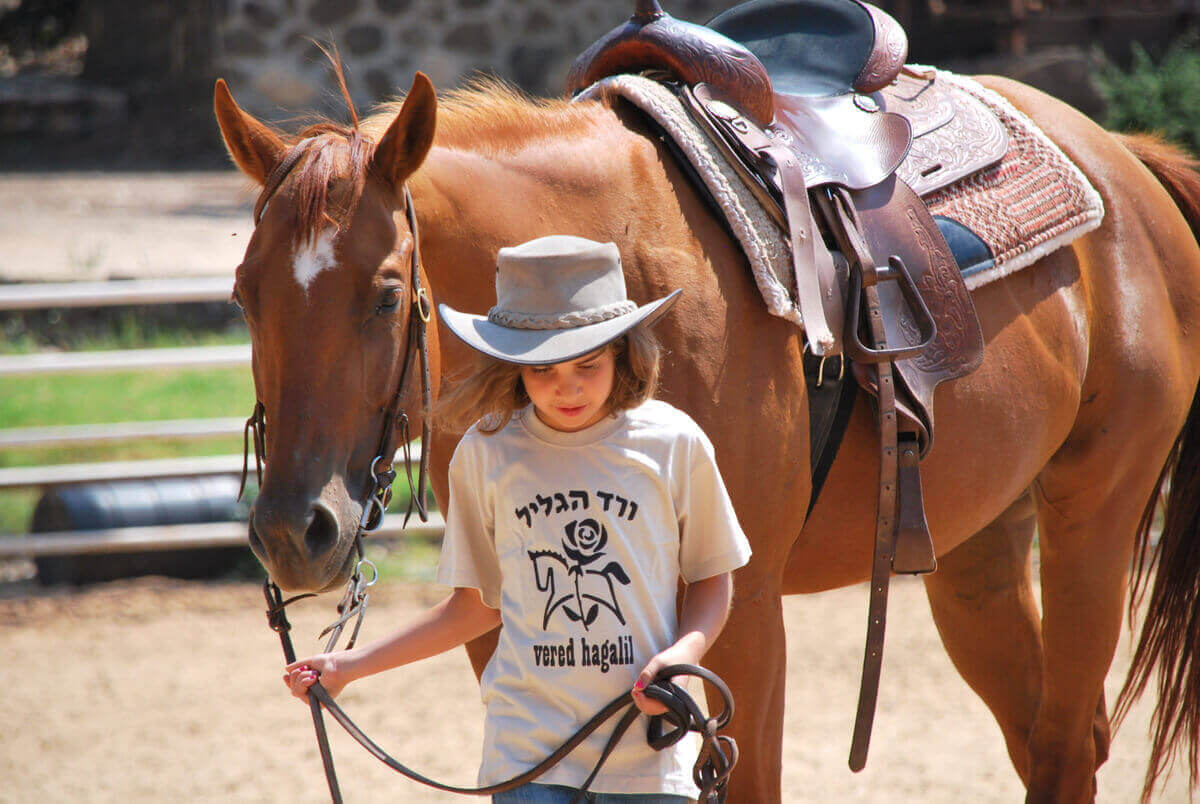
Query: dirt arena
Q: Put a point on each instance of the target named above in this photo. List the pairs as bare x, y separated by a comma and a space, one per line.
157, 690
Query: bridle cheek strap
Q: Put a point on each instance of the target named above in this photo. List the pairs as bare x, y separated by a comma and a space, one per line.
395, 425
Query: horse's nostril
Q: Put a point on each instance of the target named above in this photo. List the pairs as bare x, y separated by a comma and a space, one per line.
256, 544
322, 532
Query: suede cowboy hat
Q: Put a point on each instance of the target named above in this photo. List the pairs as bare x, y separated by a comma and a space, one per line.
557, 298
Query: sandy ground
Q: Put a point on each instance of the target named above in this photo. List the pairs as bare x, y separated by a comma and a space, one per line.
64, 226
158, 690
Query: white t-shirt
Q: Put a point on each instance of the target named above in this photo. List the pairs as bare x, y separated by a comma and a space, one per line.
580, 539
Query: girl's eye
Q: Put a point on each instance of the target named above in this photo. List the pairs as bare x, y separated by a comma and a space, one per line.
389, 301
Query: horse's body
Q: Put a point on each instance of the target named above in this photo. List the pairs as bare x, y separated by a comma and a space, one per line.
1091, 365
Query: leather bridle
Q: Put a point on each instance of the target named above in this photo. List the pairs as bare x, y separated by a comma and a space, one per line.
718, 753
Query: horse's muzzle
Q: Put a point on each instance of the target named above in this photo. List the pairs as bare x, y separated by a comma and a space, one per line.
303, 548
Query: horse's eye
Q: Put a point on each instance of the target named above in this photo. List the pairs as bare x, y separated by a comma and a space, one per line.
388, 301
237, 302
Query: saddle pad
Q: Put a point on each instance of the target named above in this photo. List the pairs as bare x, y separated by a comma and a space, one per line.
763, 242
1029, 204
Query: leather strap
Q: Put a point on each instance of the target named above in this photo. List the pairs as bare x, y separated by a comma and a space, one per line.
713, 766
818, 291
839, 213
277, 619
913, 552
881, 560
276, 177
832, 391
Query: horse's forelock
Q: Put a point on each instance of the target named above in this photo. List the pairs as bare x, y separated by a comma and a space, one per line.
320, 167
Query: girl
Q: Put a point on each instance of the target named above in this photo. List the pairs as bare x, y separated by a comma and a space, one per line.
576, 505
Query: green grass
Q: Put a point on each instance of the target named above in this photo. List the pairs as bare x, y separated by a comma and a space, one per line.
54, 400
48, 400
413, 560
45, 400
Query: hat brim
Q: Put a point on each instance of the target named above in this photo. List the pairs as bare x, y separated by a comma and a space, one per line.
540, 347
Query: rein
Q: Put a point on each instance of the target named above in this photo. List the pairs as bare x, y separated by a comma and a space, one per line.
395, 427
718, 752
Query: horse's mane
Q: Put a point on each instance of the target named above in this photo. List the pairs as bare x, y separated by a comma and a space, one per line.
487, 115
490, 115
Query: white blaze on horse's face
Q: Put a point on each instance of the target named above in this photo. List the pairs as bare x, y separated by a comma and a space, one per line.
313, 256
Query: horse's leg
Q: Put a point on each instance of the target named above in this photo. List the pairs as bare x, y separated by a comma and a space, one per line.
983, 604
1090, 502
751, 657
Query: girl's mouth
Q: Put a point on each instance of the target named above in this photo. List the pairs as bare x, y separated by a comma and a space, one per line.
575, 411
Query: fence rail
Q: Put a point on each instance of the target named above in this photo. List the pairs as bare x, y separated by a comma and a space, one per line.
130, 292
176, 537
117, 292
186, 357
72, 435
71, 474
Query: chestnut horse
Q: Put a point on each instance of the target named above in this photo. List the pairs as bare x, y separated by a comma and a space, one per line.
1071, 424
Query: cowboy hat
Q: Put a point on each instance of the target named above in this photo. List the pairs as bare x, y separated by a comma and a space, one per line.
557, 298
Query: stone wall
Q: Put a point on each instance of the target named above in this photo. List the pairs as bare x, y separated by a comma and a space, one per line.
263, 47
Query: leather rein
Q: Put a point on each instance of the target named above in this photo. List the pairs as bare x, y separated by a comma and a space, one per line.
718, 753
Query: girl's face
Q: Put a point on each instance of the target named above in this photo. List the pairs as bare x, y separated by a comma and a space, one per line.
572, 395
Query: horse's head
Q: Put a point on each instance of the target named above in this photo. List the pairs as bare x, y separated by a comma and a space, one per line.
327, 288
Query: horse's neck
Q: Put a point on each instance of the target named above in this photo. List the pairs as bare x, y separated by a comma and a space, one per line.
471, 202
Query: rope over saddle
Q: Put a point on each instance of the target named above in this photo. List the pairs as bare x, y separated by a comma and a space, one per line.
812, 104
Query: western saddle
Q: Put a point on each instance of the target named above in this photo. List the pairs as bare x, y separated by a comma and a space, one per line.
812, 103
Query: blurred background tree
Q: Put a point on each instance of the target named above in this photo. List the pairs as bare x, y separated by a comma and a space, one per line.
32, 29
1162, 97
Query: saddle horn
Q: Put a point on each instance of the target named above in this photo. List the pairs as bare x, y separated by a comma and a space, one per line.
647, 9
654, 40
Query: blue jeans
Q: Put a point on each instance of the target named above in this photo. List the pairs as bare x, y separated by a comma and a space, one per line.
557, 794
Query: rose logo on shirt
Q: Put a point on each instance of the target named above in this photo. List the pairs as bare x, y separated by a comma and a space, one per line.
591, 588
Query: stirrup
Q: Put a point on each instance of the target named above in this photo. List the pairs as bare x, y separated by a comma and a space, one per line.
897, 272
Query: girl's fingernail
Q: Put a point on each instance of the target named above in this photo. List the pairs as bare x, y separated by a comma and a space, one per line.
640, 685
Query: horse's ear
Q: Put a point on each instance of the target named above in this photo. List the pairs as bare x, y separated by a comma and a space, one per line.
410, 136
255, 148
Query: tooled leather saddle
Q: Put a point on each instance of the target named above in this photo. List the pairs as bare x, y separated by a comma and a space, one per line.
811, 101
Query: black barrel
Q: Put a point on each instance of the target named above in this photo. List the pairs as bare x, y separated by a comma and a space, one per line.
136, 503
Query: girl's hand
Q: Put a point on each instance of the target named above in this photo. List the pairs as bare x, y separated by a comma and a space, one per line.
331, 669
679, 653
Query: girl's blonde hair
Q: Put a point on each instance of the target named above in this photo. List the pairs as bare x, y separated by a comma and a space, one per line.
492, 390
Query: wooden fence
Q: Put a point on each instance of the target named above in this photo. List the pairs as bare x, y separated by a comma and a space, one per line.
13, 367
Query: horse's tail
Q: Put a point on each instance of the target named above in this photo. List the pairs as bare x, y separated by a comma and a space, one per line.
1169, 645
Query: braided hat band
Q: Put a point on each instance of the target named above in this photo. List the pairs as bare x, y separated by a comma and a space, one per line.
508, 318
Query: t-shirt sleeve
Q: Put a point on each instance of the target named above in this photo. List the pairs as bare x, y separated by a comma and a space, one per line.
469, 544
710, 539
